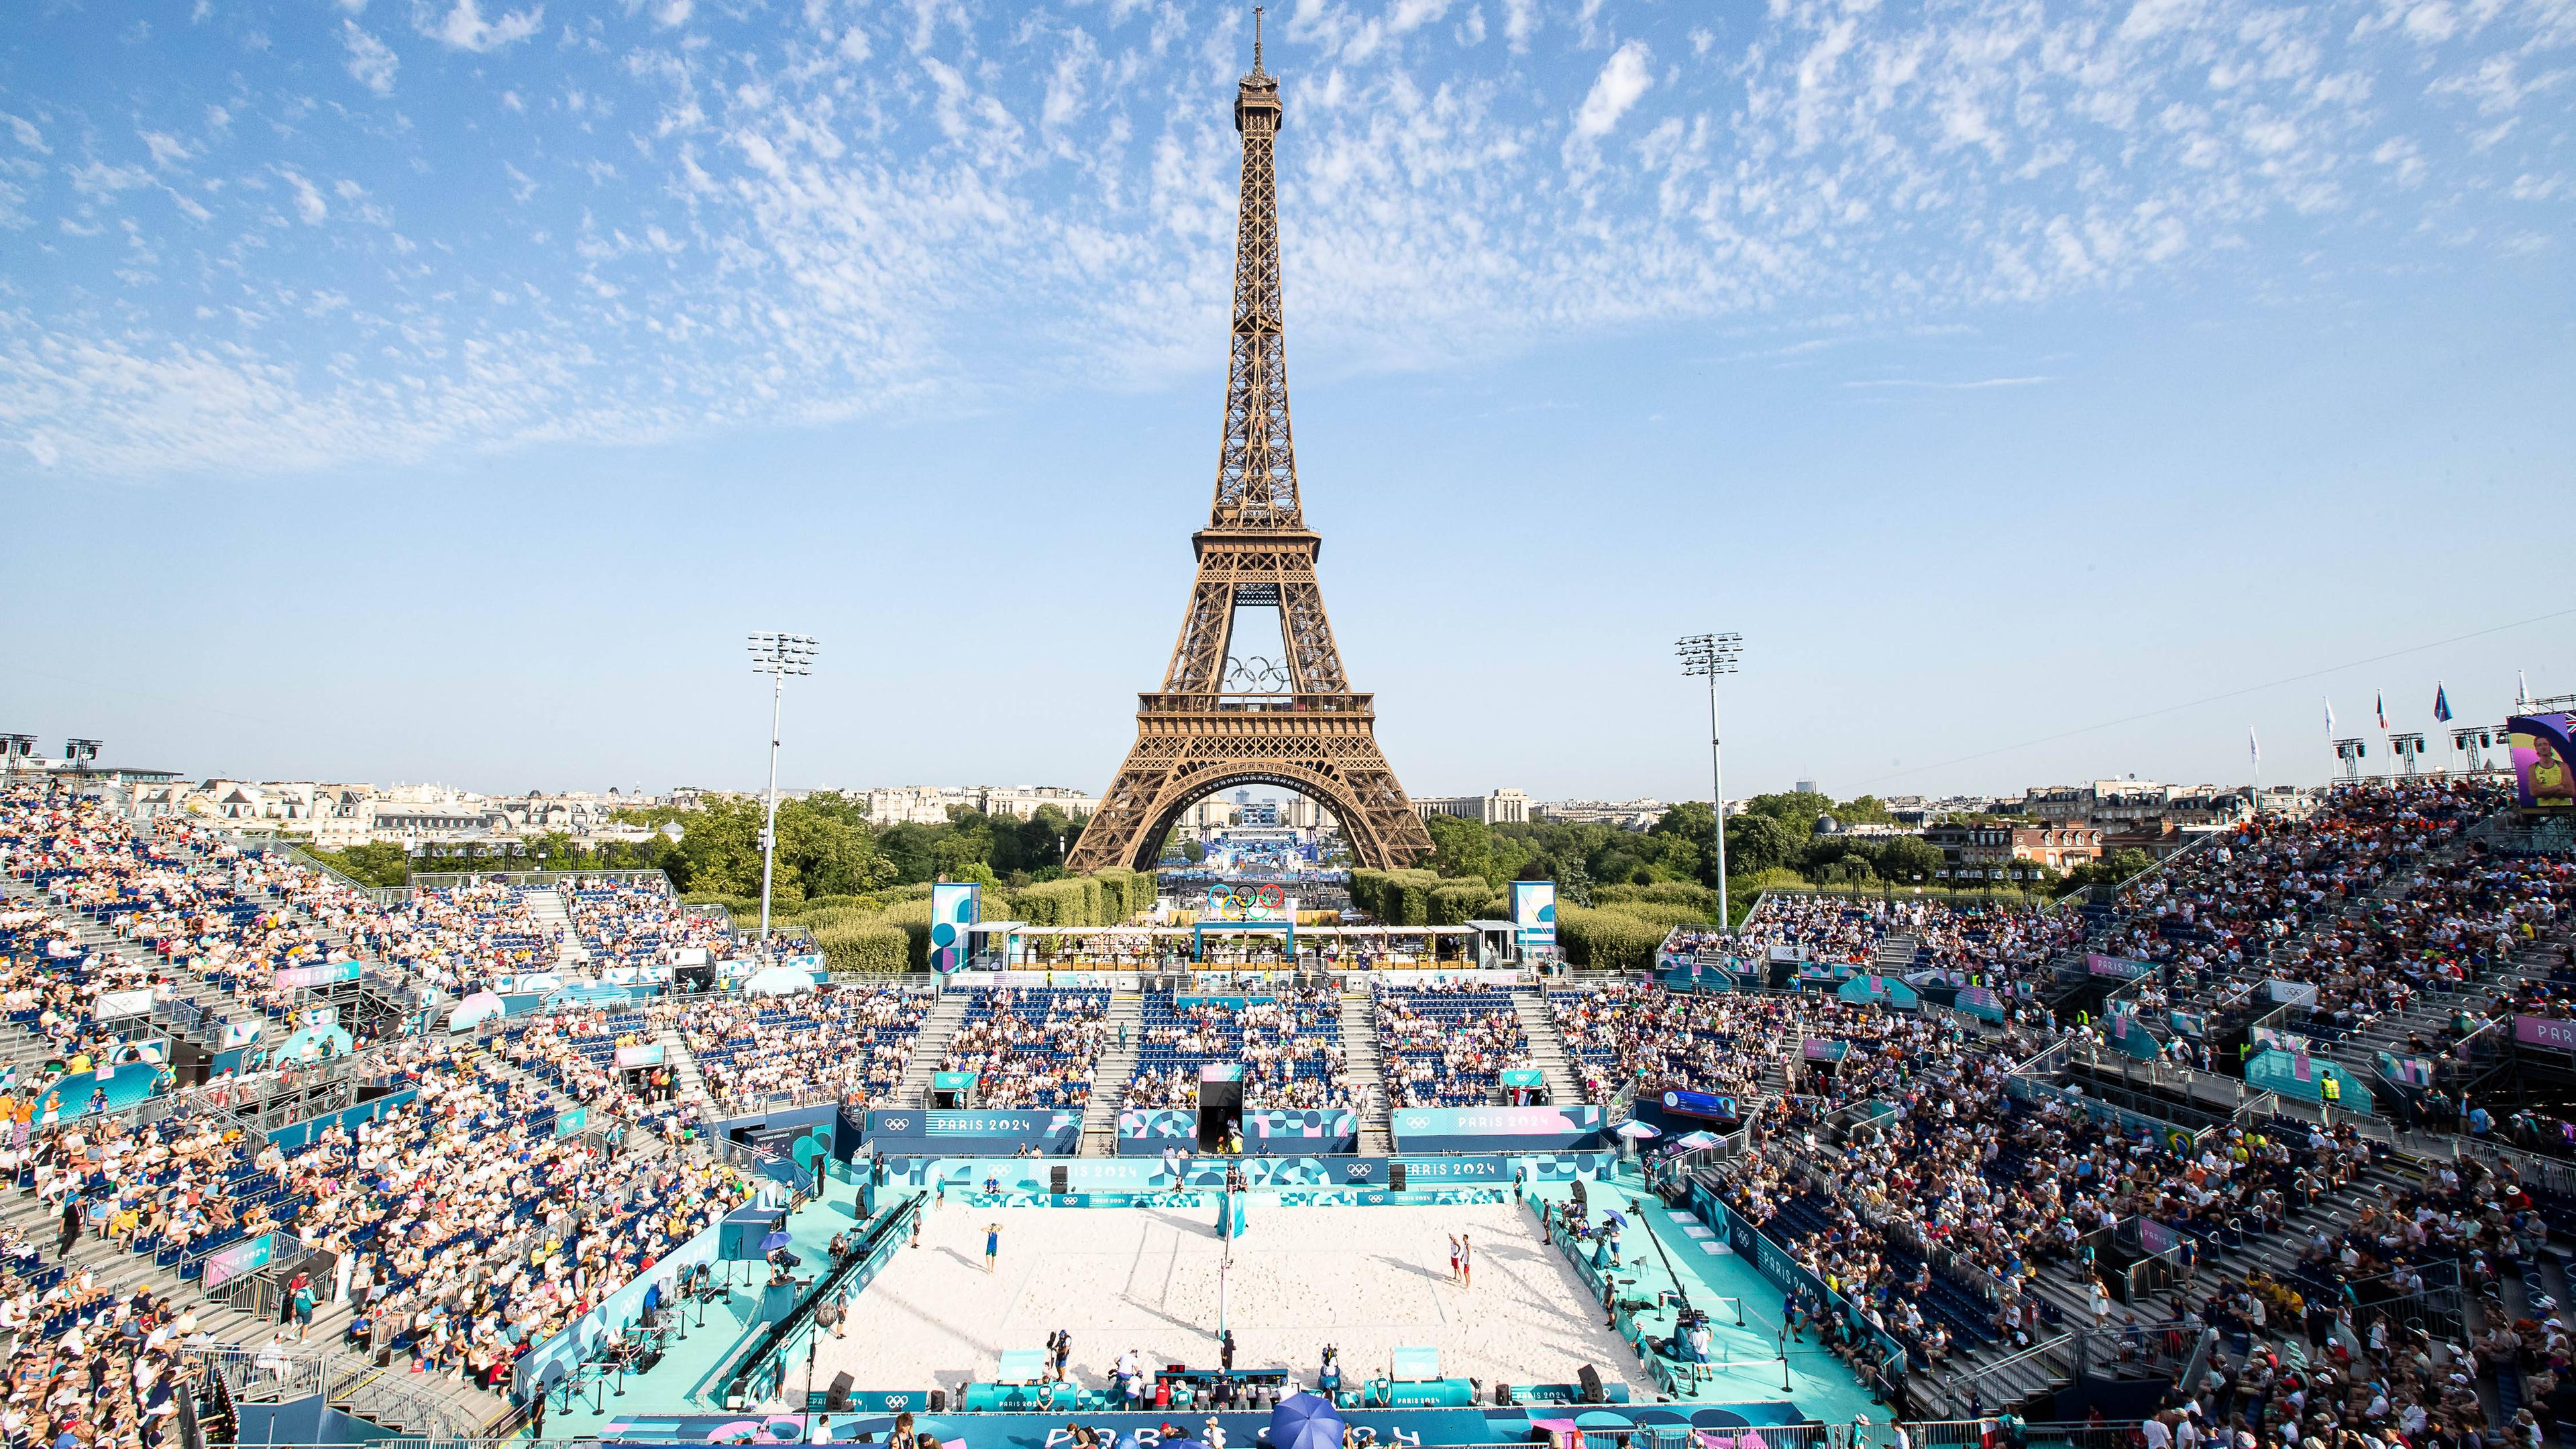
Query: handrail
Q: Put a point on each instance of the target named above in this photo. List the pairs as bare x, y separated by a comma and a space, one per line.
2010, 1359
451, 879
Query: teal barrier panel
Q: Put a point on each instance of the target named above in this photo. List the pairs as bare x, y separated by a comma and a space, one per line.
2310, 1079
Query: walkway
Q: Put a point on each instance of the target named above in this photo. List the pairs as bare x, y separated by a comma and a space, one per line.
1720, 1284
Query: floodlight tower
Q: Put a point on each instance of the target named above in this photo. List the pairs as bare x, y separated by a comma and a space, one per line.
2350, 751
77, 752
778, 656
1710, 655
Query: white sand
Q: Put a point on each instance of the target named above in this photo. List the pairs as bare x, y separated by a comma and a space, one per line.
1366, 1279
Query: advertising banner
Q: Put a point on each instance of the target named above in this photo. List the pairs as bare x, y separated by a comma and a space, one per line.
114, 1005
1824, 1049
1534, 914
2120, 967
647, 1055
975, 1134
323, 975
225, 1264
2545, 1031
2544, 760
2292, 993
1173, 1177
1289, 1129
1701, 1104
1146, 1131
2310, 1079
955, 906
1524, 1077
1981, 1003
570, 1122
2265, 1036
1538, 1421
2407, 1071
1230, 1003
1886, 991
1150, 1130
1467, 1129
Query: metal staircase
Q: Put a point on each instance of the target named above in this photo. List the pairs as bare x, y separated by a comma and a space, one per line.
686, 1078
1895, 955
930, 1044
1547, 1045
546, 908
1110, 1071
1367, 1073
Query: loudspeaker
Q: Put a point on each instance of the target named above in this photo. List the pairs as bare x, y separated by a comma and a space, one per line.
1502, 1396
939, 1401
1395, 1177
1591, 1378
1056, 1176
836, 1399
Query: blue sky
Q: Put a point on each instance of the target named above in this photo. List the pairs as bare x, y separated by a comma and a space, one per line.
439, 388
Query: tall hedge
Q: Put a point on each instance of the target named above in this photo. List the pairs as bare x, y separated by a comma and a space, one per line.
1124, 894
1458, 902
913, 919
1662, 892
869, 946
1661, 914
1607, 939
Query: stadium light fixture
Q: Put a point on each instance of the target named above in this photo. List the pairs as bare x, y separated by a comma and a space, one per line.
778, 656
2409, 747
1710, 655
14, 748
78, 751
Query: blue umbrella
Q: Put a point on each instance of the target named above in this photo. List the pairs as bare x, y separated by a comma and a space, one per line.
774, 1242
1305, 1421
1613, 1219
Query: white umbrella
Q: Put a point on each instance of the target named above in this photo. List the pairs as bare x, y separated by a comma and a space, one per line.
1634, 1128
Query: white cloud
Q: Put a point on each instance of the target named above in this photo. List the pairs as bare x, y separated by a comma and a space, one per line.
766, 225
372, 63
464, 27
668, 13
26, 133
1618, 87
308, 197
166, 149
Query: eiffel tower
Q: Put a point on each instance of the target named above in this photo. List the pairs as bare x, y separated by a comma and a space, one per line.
1219, 721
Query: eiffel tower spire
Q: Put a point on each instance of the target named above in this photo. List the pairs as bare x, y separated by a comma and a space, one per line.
1256, 467
1212, 727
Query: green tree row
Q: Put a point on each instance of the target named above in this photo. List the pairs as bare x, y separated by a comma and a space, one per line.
826, 846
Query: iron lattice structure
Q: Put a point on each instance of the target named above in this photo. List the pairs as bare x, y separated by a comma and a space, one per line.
1300, 727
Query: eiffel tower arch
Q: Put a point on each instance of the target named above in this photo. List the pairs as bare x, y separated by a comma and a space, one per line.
1220, 720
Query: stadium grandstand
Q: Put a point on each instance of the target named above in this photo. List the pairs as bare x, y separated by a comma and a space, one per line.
2275, 1140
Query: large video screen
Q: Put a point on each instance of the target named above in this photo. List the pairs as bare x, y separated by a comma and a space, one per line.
2544, 762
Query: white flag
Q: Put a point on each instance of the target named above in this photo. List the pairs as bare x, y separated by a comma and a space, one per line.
2253, 746
2329, 716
